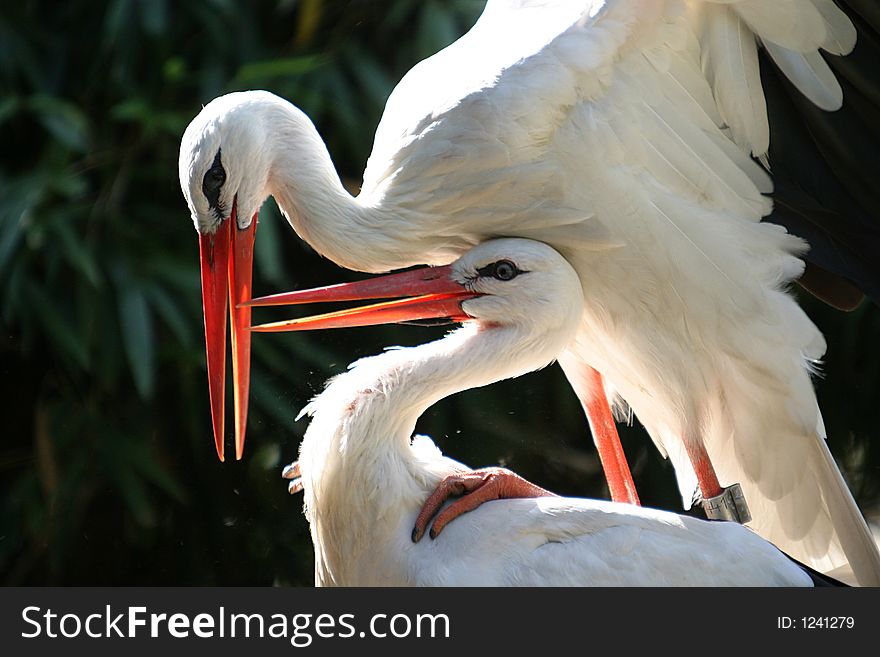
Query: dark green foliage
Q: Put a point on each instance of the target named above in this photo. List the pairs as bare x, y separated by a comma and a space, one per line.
108, 469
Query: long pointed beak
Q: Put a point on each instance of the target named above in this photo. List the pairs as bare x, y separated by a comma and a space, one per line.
433, 293
240, 276
227, 269
425, 280
214, 254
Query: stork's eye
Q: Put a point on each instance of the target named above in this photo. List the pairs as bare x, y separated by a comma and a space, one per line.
503, 270
213, 181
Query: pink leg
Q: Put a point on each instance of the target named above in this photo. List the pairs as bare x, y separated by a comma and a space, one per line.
706, 477
719, 503
477, 487
613, 459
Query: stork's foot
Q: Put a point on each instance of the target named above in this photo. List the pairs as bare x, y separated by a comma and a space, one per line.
729, 505
291, 472
476, 487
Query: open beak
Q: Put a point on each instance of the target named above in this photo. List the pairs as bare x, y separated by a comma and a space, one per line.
227, 268
431, 293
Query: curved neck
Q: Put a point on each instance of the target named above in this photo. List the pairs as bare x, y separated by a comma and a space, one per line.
309, 192
414, 379
362, 477
394, 389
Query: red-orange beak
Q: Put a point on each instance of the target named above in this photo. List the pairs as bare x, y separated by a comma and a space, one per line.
433, 294
227, 258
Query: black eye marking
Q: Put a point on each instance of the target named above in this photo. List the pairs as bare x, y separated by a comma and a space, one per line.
503, 270
213, 182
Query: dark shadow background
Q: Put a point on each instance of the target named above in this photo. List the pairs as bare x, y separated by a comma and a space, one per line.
109, 475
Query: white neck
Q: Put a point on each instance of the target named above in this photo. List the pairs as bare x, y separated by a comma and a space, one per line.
308, 190
361, 476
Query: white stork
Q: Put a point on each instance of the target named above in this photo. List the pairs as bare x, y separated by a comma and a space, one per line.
618, 132
365, 477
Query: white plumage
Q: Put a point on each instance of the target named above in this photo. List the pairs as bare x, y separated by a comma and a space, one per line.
364, 481
618, 132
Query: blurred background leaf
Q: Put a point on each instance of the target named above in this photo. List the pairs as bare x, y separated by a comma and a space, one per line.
107, 463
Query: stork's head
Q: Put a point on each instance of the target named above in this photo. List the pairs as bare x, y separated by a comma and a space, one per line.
224, 159
224, 170
503, 283
520, 282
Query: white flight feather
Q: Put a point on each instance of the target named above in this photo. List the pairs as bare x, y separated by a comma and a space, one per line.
811, 75
841, 33
730, 63
793, 24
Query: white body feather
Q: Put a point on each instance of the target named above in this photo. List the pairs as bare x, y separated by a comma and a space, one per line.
364, 481
619, 133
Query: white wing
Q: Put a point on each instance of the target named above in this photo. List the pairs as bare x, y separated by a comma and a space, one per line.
618, 132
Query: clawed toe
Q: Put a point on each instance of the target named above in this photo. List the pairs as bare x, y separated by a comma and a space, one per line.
475, 488
292, 473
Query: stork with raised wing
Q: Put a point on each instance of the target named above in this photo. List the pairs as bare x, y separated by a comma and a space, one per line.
620, 133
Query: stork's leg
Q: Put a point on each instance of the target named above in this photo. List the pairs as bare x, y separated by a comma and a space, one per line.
477, 487
703, 468
611, 454
719, 503
590, 389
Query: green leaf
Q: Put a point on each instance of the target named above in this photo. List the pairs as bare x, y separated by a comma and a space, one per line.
277, 68
57, 327
8, 107
131, 109
176, 272
63, 120
117, 17
150, 118
177, 321
17, 201
174, 69
436, 29
76, 253
154, 16
136, 322
374, 80
10, 237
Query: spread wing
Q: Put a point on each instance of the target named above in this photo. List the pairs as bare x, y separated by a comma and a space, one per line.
474, 140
